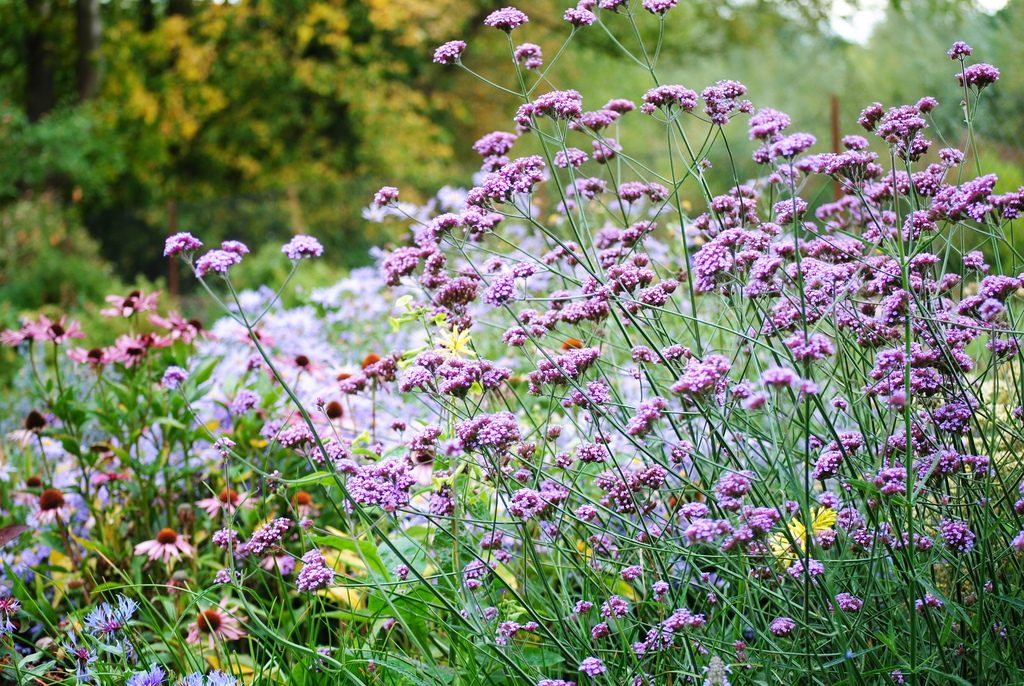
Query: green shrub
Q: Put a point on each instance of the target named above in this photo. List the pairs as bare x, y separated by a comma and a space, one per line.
47, 258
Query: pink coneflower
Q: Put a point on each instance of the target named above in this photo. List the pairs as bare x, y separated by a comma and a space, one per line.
227, 500
127, 350
130, 350
422, 466
15, 337
51, 505
217, 623
43, 328
334, 410
167, 544
304, 505
97, 357
100, 478
178, 328
128, 305
28, 497
58, 331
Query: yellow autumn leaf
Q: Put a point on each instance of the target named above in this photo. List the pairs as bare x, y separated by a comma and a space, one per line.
506, 575
59, 559
626, 591
344, 560
59, 579
345, 595
346, 563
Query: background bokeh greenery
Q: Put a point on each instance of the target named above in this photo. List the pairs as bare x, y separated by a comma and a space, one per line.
261, 118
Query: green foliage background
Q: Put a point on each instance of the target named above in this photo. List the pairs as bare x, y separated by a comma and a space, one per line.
263, 118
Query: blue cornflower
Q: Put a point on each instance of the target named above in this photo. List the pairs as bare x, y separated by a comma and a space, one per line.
154, 677
214, 678
83, 656
107, 621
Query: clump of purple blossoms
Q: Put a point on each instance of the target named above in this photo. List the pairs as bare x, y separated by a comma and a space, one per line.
592, 667
496, 431
659, 7
957, 535
495, 144
787, 147
768, 124
577, 17
703, 376
978, 76
237, 247
722, 99
180, 243
732, 487
669, 97
267, 536
928, 602
506, 19
529, 55
809, 348
385, 196
782, 626
648, 412
173, 377
315, 574
218, 261
959, 51
385, 484
300, 247
527, 503
450, 52
849, 603
567, 104
563, 368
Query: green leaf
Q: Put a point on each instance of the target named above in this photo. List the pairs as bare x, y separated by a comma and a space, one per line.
947, 678
203, 373
321, 478
72, 446
168, 421
542, 658
366, 550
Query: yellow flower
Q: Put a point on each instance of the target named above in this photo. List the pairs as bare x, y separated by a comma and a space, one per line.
456, 343
824, 519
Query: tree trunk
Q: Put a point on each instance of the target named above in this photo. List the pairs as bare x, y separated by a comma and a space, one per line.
88, 30
179, 7
39, 85
147, 16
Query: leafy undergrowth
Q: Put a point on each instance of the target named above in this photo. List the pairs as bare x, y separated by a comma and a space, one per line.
570, 432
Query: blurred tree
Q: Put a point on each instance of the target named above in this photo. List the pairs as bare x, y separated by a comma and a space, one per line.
40, 95
88, 28
282, 102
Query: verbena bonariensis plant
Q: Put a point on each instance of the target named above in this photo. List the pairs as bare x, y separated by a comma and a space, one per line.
600, 440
